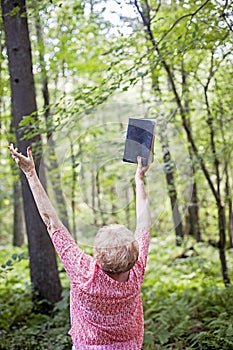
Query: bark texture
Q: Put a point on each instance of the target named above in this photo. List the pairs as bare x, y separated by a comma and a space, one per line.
19, 220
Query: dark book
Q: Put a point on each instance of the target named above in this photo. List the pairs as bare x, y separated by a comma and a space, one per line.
139, 141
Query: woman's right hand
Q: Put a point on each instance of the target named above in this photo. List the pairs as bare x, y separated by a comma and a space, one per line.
26, 164
141, 169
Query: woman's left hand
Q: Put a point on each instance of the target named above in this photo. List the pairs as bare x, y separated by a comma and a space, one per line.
26, 164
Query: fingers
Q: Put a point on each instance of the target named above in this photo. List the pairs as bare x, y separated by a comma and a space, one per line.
16, 159
14, 151
11, 147
16, 155
139, 159
142, 169
140, 165
29, 153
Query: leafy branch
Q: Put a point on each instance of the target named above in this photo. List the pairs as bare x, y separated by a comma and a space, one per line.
192, 14
10, 263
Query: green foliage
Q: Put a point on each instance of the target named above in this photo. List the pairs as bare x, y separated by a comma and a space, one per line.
20, 326
29, 330
9, 265
185, 305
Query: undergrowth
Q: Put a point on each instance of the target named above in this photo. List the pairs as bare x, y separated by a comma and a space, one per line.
185, 303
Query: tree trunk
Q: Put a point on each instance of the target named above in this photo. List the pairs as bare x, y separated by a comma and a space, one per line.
93, 194
230, 212
168, 167
227, 158
222, 243
1, 105
73, 189
216, 162
82, 174
43, 265
193, 211
19, 219
169, 172
193, 208
98, 194
112, 198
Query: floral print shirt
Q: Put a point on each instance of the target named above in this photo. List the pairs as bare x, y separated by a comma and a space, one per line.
105, 314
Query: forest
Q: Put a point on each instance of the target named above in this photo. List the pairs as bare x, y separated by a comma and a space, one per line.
72, 73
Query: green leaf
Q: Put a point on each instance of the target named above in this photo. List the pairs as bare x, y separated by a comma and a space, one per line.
22, 256
9, 262
15, 10
163, 336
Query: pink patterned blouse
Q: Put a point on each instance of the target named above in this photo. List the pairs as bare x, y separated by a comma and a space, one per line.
105, 314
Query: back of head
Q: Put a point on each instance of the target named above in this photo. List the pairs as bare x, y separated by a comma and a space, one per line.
115, 249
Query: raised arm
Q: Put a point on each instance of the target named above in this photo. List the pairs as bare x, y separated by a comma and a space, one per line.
142, 203
45, 208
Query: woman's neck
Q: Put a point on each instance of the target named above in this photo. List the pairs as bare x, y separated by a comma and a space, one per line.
120, 277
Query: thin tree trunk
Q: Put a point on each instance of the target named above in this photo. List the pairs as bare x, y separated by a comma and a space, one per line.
93, 193
222, 243
98, 193
193, 211
1, 109
228, 192
82, 175
73, 189
43, 265
168, 168
230, 209
221, 208
169, 173
193, 208
114, 207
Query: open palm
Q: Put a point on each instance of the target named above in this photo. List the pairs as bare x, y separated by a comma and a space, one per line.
26, 164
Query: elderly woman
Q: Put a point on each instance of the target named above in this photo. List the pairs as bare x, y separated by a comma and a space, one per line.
105, 304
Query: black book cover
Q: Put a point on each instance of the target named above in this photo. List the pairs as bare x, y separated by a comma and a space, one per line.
139, 140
